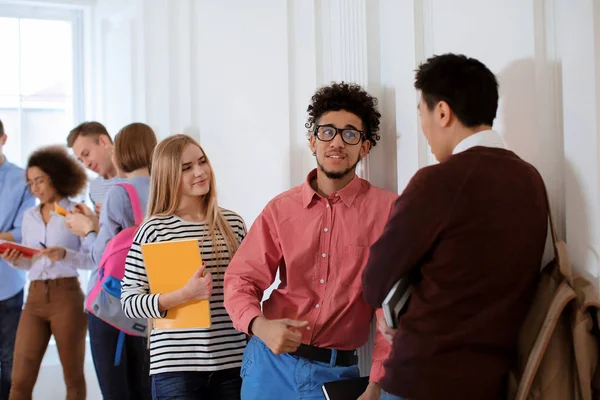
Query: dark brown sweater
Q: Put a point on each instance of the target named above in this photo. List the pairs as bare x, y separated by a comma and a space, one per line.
476, 227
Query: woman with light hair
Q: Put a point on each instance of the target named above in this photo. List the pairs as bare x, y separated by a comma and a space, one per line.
193, 363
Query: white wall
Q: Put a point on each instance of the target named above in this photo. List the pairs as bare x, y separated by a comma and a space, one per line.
578, 46
238, 76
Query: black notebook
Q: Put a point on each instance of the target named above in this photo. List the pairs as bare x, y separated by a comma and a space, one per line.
350, 389
397, 300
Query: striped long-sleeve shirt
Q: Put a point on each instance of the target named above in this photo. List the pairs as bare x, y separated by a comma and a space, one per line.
211, 349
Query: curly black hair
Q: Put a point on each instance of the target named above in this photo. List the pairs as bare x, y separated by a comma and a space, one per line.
349, 97
68, 177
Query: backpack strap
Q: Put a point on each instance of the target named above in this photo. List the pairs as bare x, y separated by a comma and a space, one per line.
560, 249
138, 214
119, 349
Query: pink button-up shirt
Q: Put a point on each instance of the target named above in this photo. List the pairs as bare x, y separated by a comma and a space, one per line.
321, 246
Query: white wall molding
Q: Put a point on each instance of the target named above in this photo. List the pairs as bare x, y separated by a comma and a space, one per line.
181, 71
120, 86
344, 41
342, 33
304, 62
576, 23
424, 36
549, 108
596, 222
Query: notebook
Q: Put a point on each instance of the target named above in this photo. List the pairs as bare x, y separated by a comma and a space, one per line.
28, 252
169, 266
396, 301
60, 211
350, 389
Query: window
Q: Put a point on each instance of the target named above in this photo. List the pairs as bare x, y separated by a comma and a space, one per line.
40, 79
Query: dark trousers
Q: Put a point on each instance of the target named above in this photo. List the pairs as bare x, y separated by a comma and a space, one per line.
10, 313
130, 380
217, 385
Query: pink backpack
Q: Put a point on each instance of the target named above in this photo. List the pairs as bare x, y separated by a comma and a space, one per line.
104, 301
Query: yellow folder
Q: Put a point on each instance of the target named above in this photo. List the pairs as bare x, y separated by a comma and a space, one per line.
169, 266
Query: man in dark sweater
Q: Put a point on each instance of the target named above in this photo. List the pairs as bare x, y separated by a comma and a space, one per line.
475, 227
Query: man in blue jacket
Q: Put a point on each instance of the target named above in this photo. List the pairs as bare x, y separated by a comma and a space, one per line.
16, 198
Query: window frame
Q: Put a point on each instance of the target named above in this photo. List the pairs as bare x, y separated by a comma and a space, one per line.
75, 16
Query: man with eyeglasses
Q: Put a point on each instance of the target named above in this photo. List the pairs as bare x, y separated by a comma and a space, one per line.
318, 235
16, 198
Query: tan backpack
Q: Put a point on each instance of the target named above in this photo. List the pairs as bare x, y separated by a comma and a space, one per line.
559, 342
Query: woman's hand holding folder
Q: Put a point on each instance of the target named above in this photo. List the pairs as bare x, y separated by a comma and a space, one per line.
198, 287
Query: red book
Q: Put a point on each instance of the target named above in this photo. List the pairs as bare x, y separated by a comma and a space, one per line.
28, 252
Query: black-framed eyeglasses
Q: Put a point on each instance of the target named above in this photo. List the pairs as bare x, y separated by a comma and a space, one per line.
326, 133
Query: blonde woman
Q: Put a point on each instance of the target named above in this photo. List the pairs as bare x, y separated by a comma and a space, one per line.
132, 155
196, 363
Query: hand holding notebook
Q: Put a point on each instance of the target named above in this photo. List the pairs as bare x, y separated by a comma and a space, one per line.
26, 251
396, 301
199, 286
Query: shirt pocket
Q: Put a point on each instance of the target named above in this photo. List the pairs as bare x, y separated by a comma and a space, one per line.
353, 261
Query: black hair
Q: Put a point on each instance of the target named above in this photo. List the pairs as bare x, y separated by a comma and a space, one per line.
466, 84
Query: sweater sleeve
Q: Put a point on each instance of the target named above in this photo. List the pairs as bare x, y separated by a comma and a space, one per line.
136, 300
414, 225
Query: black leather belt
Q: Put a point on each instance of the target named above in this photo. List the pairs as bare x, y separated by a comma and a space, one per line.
344, 358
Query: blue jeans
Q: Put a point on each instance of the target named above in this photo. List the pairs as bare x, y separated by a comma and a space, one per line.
10, 313
387, 396
217, 385
130, 380
268, 376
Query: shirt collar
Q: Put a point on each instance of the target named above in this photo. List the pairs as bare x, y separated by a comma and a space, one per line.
487, 138
64, 203
347, 194
5, 164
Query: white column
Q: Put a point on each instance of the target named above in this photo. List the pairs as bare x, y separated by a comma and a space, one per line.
342, 55
342, 51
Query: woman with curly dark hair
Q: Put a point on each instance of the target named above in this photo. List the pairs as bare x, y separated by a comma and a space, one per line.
308, 331
54, 303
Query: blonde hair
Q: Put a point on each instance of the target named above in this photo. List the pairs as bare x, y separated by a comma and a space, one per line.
164, 191
134, 145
